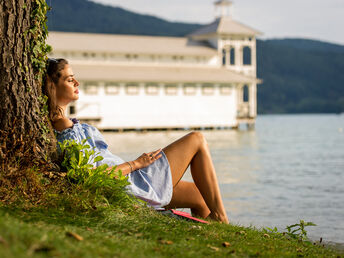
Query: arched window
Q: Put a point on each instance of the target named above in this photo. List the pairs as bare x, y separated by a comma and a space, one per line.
171, 89
208, 89
152, 89
247, 56
91, 88
112, 89
132, 88
232, 54
245, 94
190, 89
223, 57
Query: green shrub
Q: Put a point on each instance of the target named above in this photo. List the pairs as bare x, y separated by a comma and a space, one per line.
96, 186
298, 231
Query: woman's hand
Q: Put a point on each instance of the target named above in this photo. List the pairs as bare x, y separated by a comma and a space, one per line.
146, 159
143, 161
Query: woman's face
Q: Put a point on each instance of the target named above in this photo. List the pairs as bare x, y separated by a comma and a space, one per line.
67, 87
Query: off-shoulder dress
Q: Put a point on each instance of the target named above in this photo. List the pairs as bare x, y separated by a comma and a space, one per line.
152, 184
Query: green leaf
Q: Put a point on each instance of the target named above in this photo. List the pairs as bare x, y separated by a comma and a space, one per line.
98, 158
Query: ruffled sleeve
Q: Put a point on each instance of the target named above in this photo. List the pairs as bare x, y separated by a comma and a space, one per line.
80, 132
75, 133
94, 138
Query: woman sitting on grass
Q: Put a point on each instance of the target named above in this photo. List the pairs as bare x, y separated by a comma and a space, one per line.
154, 176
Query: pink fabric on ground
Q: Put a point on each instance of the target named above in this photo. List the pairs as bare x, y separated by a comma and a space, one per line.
187, 215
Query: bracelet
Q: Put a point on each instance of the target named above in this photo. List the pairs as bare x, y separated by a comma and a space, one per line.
131, 168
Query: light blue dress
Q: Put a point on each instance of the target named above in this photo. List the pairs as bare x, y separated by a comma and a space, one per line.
152, 184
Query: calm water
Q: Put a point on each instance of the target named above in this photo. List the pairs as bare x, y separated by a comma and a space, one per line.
290, 168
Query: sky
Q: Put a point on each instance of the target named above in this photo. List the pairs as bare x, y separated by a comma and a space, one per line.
312, 19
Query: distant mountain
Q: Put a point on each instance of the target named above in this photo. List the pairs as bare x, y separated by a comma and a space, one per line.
86, 16
299, 75
308, 44
300, 79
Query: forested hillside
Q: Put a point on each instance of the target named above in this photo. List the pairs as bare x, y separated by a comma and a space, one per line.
86, 16
299, 75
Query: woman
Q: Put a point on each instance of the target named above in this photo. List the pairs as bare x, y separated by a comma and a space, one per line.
154, 176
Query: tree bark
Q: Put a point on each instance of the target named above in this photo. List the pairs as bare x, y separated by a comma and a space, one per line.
22, 141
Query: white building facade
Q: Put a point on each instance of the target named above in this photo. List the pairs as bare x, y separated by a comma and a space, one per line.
205, 80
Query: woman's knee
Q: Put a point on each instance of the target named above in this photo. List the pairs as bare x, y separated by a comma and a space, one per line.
198, 137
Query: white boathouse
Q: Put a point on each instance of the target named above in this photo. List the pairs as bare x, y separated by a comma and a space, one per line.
127, 82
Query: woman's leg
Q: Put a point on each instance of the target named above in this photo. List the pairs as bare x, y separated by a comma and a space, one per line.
193, 149
187, 195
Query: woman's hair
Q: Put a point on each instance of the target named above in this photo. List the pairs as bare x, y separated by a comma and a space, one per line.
53, 74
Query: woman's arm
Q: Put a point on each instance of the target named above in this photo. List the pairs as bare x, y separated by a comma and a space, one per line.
141, 162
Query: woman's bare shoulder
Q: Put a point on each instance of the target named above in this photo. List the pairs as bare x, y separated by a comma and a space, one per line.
62, 123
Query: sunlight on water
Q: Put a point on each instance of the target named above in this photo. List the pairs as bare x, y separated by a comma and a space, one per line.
290, 168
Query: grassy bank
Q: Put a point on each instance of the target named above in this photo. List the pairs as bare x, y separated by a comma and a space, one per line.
136, 233
86, 213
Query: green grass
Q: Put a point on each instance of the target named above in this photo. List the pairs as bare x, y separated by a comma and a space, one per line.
39, 232
86, 213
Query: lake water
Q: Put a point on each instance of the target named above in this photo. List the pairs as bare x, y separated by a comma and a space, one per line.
290, 167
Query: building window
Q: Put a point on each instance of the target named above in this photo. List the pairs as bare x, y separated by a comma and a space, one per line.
91, 89
225, 89
171, 89
152, 89
245, 94
132, 89
224, 52
190, 89
247, 56
232, 55
112, 89
208, 89
72, 110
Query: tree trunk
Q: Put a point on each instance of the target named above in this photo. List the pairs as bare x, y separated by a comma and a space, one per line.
25, 138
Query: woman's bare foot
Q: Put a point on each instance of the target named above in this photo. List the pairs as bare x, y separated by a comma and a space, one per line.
219, 218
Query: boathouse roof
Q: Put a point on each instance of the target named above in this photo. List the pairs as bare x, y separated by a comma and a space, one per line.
133, 44
166, 74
